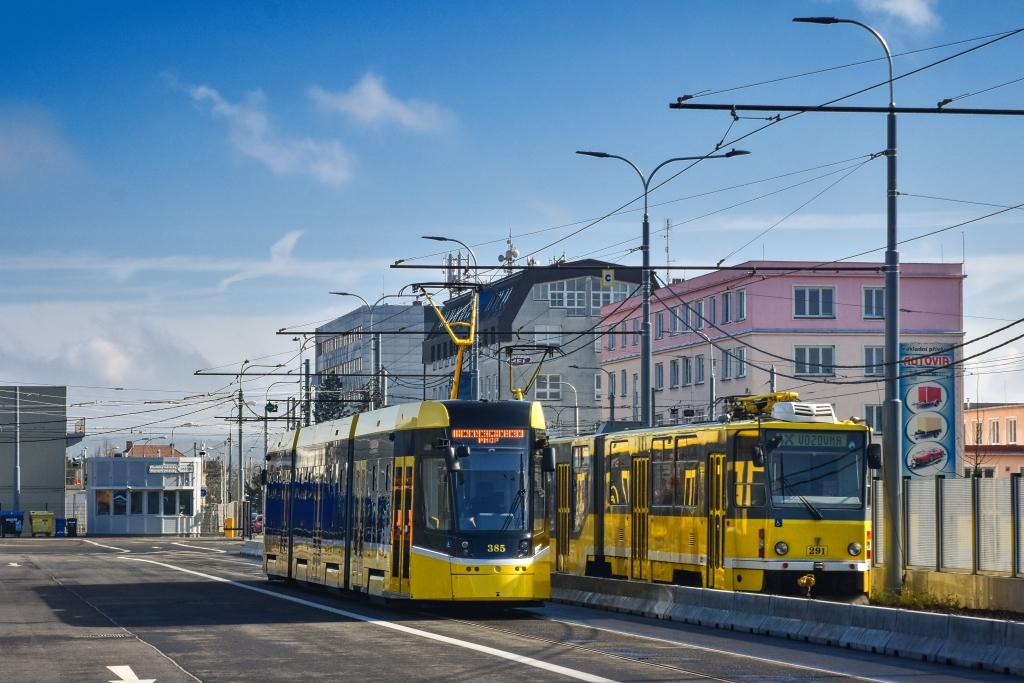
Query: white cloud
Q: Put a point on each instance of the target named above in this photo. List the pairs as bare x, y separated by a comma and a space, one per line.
252, 133
916, 13
30, 140
369, 102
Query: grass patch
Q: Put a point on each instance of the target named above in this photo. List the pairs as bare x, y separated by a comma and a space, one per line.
921, 602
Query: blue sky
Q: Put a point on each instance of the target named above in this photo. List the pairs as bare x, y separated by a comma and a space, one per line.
179, 182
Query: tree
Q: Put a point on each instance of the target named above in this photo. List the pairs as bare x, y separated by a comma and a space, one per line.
329, 404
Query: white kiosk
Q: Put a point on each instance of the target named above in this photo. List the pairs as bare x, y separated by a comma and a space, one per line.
144, 496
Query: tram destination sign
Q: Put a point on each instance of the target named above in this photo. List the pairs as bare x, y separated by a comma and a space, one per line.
813, 439
488, 436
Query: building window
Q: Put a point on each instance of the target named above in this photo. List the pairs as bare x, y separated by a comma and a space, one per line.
673, 373
698, 369
815, 360
977, 432
726, 307
611, 337
611, 384
569, 294
741, 304
185, 502
659, 376
120, 502
597, 342
541, 292
597, 386
1011, 430
152, 502
726, 364
624, 337
135, 498
674, 326
687, 371
602, 296
874, 361
550, 335
622, 378
659, 325
549, 388
636, 331
874, 302
873, 416
739, 354
698, 315
712, 310
170, 503
102, 502
814, 302
993, 434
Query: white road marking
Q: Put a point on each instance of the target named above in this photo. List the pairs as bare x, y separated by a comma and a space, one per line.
126, 675
196, 547
13, 564
108, 547
704, 648
521, 659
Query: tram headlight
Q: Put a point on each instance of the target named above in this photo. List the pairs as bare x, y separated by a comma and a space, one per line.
524, 547
465, 547
781, 548
853, 549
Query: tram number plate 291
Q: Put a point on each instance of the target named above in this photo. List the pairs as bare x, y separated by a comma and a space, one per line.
817, 550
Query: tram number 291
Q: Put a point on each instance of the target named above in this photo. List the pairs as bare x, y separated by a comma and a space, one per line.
495, 547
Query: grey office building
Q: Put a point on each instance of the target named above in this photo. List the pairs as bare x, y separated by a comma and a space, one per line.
343, 347
560, 307
33, 431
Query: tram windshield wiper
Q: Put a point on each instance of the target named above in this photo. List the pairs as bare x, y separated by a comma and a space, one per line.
519, 499
807, 504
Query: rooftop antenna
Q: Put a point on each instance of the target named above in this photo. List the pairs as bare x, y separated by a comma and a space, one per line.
508, 259
668, 259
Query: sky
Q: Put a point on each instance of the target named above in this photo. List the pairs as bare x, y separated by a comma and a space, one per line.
180, 181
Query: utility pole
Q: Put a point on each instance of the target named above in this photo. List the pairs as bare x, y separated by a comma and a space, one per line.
241, 404
17, 448
307, 407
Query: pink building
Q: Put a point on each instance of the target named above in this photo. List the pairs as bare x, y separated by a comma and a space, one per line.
817, 329
992, 447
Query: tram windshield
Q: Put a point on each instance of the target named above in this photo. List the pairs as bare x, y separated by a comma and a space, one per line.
491, 490
815, 469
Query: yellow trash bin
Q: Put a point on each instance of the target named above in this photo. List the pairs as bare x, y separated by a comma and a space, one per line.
41, 523
229, 527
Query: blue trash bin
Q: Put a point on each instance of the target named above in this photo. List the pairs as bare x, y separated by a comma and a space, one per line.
60, 526
11, 523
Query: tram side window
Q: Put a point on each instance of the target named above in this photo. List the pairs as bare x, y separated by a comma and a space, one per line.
748, 480
663, 475
539, 501
618, 473
581, 486
690, 473
436, 498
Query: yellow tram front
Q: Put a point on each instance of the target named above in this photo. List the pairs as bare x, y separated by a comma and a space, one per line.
480, 527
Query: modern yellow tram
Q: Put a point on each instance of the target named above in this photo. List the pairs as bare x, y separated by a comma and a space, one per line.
771, 498
429, 501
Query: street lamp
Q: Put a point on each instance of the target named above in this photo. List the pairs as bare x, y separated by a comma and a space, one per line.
892, 429
474, 351
376, 363
611, 394
184, 424
266, 404
647, 417
575, 407
241, 403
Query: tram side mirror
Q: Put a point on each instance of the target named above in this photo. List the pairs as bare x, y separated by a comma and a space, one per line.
689, 412
462, 451
451, 461
547, 455
875, 456
263, 477
758, 456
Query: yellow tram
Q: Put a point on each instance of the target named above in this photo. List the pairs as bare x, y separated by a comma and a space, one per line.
771, 498
432, 501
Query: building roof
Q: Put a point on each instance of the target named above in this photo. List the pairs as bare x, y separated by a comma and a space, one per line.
152, 450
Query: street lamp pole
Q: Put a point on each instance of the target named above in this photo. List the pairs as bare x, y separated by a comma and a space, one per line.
646, 415
474, 349
575, 408
184, 424
608, 388
892, 434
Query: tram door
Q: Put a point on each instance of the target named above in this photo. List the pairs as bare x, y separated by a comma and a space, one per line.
317, 485
401, 523
716, 521
563, 509
640, 507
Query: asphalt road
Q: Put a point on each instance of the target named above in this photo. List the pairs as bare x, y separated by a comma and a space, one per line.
187, 610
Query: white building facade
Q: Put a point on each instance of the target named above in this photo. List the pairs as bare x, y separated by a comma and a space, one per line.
144, 496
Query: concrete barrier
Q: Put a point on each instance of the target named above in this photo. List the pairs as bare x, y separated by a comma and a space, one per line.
991, 644
252, 549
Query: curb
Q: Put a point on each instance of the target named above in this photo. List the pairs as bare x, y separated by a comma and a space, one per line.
252, 549
970, 642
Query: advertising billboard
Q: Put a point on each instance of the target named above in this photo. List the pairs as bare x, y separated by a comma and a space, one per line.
928, 391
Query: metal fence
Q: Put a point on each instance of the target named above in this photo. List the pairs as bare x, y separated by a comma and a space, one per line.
960, 525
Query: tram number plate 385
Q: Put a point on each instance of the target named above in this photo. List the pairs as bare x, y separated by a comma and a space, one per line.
817, 550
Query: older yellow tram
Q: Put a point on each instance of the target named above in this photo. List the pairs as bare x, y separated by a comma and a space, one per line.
771, 498
433, 501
